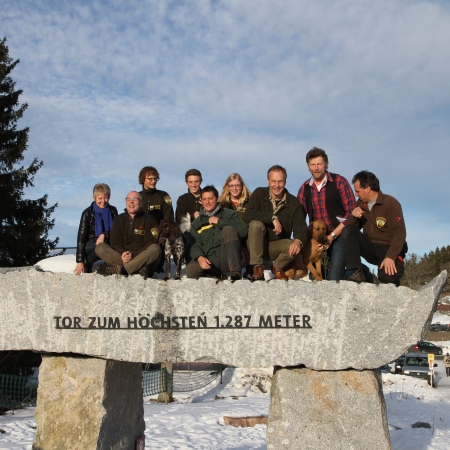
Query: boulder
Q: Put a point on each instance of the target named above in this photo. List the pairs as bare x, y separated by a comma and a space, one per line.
312, 409
88, 403
322, 325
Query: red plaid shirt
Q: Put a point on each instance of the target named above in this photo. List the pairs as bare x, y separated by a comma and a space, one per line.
318, 198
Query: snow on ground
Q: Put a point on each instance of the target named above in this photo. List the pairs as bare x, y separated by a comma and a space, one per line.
195, 419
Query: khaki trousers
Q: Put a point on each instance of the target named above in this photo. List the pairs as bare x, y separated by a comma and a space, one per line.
150, 255
261, 249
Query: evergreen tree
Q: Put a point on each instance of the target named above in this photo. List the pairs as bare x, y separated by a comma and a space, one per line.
24, 224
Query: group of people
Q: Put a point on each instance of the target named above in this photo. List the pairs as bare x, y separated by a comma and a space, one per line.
239, 230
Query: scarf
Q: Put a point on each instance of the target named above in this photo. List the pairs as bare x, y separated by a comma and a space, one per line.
212, 213
103, 219
278, 204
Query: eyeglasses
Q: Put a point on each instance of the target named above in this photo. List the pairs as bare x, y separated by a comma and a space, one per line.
152, 178
132, 199
234, 186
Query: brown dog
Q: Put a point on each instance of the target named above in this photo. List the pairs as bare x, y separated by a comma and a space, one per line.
310, 257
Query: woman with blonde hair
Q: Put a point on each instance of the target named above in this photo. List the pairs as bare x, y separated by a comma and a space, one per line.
235, 194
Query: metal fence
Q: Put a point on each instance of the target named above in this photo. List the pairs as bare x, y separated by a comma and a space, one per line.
17, 391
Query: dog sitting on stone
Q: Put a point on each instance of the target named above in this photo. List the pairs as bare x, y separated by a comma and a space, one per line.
310, 258
174, 245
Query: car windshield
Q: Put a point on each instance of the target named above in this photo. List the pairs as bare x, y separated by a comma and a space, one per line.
420, 362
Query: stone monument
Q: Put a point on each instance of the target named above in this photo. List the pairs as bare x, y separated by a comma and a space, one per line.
326, 340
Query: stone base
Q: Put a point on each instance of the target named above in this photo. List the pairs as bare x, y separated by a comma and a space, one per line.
88, 403
323, 409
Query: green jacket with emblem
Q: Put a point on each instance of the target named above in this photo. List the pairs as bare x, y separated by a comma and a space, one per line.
206, 238
133, 235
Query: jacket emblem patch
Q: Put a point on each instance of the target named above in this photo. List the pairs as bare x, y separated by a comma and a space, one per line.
381, 222
152, 207
140, 232
155, 232
168, 200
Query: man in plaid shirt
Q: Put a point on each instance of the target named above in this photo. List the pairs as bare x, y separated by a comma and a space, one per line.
327, 196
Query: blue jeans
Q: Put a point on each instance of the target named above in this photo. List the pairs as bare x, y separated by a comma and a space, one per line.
336, 256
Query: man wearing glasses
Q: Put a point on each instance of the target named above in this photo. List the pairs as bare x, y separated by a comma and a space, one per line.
134, 244
155, 202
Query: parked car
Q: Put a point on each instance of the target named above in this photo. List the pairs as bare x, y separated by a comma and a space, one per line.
397, 365
439, 327
425, 347
416, 365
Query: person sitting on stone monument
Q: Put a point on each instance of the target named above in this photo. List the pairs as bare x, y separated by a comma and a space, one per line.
235, 195
274, 216
95, 227
154, 202
383, 241
215, 236
134, 242
188, 207
190, 203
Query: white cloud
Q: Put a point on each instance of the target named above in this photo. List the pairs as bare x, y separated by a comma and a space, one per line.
234, 86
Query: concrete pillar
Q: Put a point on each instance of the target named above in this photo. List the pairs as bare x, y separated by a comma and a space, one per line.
312, 409
88, 403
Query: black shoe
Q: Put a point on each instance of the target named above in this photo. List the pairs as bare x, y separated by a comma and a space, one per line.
248, 272
109, 269
235, 276
357, 276
149, 271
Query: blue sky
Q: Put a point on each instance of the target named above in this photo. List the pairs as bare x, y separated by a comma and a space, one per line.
235, 86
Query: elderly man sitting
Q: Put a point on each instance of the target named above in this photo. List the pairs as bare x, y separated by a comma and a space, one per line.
134, 242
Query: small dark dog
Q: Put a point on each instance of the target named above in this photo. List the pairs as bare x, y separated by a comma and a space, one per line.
174, 245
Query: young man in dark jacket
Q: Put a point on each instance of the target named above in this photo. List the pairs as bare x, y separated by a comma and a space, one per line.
134, 242
190, 203
274, 216
383, 242
215, 235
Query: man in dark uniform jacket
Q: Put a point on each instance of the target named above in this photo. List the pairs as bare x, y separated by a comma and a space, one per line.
134, 242
383, 241
155, 202
274, 216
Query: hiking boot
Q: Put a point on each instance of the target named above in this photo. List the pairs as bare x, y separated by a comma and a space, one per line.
258, 273
234, 276
279, 274
109, 269
357, 276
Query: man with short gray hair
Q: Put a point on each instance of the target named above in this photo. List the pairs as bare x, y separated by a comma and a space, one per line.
277, 227
134, 242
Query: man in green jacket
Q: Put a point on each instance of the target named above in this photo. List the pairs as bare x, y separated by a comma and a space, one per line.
277, 225
215, 235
